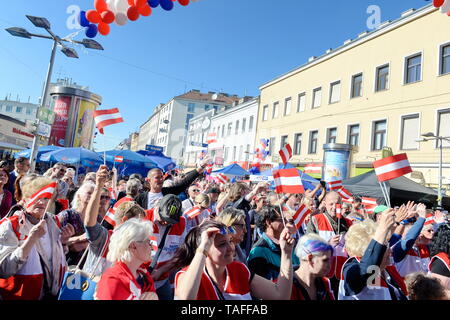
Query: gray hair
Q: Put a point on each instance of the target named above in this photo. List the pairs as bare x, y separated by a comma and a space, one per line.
133, 230
133, 187
82, 190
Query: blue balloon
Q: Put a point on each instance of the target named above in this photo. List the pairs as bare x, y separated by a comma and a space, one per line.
153, 3
166, 4
83, 21
91, 31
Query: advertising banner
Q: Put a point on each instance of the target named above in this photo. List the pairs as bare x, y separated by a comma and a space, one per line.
336, 164
60, 124
84, 125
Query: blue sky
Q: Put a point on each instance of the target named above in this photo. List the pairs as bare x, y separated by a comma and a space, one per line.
229, 45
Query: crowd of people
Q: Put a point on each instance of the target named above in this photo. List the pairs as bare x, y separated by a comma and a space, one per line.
183, 236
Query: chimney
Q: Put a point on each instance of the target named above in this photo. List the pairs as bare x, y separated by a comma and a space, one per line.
347, 41
312, 58
328, 51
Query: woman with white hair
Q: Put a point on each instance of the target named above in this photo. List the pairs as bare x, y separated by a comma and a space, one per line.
129, 248
310, 282
368, 273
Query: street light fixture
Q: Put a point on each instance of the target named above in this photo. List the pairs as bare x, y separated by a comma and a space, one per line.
41, 22
431, 136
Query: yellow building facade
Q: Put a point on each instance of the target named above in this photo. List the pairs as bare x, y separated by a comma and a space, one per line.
385, 88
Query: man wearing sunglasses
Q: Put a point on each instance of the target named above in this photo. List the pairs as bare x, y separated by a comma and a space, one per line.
155, 179
193, 191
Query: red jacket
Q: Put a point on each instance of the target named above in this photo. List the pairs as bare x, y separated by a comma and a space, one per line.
118, 283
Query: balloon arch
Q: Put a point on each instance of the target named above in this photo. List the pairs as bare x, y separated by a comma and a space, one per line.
98, 20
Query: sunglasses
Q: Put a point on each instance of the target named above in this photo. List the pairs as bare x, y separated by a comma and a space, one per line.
228, 230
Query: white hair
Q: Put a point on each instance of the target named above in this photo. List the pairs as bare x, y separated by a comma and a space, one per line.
84, 188
132, 230
311, 244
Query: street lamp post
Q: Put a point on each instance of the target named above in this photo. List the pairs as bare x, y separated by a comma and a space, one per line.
431, 136
43, 23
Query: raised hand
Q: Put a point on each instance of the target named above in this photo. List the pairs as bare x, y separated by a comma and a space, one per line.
286, 240
38, 230
67, 232
207, 238
421, 210
401, 214
102, 176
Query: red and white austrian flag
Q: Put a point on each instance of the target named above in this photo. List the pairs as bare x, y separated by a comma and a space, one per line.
104, 118
338, 211
288, 181
286, 153
221, 178
345, 194
313, 168
300, 216
392, 167
109, 217
118, 159
335, 185
193, 212
211, 138
429, 219
369, 204
45, 193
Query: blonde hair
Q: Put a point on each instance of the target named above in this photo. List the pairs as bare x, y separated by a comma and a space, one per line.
133, 230
202, 200
33, 185
128, 210
358, 237
229, 216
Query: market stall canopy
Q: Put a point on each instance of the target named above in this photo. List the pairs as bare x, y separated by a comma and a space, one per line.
41, 150
401, 190
80, 156
233, 170
130, 158
162, 162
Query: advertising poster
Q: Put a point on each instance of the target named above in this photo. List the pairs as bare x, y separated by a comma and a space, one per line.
84, 125
60, 124
336, 165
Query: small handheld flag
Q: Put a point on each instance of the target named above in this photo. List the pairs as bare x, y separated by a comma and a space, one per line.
118, 159
313, 168
335, 185
392, 167
44, 193
104, 118
193, 212
288, 181
286, 153
300, 216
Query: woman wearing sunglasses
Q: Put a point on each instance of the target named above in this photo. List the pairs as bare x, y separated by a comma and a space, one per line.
210, 272
129, 248
236, 219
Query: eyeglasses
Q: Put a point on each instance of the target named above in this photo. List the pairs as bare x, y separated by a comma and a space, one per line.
195, 190
147, 241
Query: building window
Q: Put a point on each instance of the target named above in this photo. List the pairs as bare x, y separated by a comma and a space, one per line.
379, 135
301, 102
284, 141
234, 152
229, 129
28, 111
191, 107
287, 106
207, 107
241, 149
188, 118
443, 127
317, 98
297, 143
413, 69
223, 131
382, 78
445, 59
313, 139
275, 110
18, 109
247, 152
353, 135
265, 112
335, 92
271, 145
244, 123
216, 108
357, 85
8, 108
250, 124
225, 156
409, 132
331, 135
236, 130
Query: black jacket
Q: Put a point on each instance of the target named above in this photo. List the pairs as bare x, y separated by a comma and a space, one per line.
142, 199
